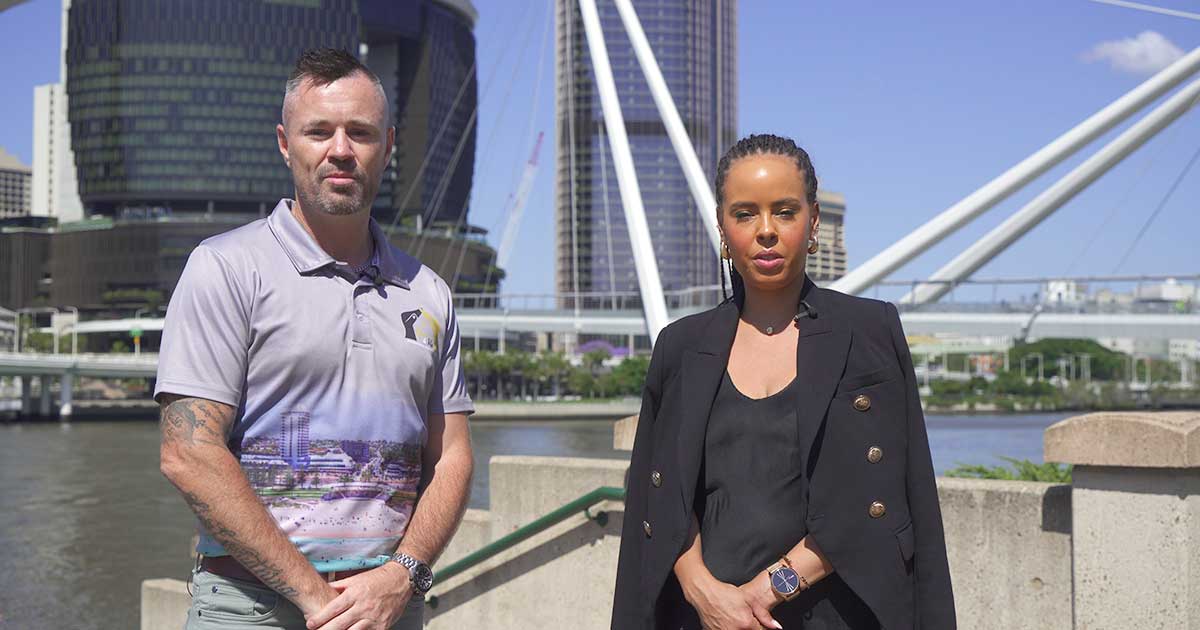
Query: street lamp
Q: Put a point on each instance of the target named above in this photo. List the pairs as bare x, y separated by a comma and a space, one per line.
1031, 355
74, 326
35, 309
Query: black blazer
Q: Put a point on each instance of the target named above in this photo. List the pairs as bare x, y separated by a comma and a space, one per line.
878, 522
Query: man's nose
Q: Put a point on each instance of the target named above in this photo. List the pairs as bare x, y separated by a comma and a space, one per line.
341, 147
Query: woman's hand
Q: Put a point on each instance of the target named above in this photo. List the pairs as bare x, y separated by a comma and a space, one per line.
724, 606
760, 596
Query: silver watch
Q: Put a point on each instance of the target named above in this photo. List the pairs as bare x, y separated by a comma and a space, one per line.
419, 572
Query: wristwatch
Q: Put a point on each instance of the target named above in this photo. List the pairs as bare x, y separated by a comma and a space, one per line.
785, 581
419, 572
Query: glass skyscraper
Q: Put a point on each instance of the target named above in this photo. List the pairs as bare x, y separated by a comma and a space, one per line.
173, 103
695, 44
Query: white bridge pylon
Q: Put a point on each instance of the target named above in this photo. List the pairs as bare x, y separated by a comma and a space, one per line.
970, 207
649, 281
900, 253
1053, 198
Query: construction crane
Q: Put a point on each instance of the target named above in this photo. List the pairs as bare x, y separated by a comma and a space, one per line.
518, 206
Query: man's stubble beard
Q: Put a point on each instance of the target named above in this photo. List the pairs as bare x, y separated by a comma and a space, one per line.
334, 204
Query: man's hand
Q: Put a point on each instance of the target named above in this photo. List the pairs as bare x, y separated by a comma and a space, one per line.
760, 597
371, 600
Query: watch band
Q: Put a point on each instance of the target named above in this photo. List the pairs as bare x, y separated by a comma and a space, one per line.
419, 573
803, 585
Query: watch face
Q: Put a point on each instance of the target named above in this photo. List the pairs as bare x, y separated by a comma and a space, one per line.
423, 576
785, 581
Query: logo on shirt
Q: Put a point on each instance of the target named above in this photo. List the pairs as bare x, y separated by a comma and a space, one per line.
421, 327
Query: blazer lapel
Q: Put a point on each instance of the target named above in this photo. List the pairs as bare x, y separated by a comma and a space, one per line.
701, 372
820, 360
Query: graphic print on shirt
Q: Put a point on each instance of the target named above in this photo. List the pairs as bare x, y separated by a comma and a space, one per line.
421, 326
335, 498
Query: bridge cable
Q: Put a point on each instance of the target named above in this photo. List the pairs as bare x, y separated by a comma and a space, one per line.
537, 90
462, 88
1157, 210
1123, 200
444, 181
487, 152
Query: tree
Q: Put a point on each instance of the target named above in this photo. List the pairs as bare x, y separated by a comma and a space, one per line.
629, 376
557, 366
32, 339
1104, 364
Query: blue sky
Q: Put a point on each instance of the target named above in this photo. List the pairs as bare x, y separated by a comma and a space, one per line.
905, 108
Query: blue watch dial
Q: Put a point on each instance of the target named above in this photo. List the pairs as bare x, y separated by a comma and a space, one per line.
785, 581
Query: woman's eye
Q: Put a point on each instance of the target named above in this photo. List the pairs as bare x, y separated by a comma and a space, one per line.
786, 212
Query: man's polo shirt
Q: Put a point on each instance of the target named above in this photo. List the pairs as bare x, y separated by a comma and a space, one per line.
334, 376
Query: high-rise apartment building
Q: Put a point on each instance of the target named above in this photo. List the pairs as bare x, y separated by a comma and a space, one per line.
829, 263
15, 184
55, 190
696, 48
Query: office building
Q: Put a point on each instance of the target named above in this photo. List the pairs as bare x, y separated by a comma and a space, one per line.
829, 263
173, 104
172, 107
15, 185
55, 190
696, 48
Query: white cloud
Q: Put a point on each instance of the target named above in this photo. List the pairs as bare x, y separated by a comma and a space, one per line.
1146, 53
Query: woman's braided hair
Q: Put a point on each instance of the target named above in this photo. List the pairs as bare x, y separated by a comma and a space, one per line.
761, 144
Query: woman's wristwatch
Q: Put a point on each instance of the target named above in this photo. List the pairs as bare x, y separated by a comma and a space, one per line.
785, 581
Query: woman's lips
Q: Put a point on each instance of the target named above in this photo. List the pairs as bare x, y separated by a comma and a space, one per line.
768, 261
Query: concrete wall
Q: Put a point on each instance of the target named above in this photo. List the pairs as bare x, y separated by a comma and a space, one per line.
1009, 545
561, 578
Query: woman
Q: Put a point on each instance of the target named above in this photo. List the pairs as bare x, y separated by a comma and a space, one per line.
781, 474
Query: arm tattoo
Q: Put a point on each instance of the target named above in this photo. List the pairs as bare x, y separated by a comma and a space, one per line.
270, 573
194, 420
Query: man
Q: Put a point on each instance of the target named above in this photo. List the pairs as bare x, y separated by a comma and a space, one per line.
314, 411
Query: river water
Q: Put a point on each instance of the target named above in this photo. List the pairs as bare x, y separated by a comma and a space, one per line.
85, 515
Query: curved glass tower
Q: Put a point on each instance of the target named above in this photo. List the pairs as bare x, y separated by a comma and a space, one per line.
173, 103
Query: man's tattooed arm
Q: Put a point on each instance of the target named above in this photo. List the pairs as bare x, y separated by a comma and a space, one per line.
196, 458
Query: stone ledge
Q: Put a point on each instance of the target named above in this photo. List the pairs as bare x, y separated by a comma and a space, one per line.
165, 604
623, 433
1164, 439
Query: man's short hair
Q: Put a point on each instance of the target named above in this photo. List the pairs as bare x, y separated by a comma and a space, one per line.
323, 66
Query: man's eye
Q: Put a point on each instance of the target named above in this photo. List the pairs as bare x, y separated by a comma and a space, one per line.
317, 133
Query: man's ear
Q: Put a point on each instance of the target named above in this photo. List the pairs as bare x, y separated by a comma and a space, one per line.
391, 143
281, 137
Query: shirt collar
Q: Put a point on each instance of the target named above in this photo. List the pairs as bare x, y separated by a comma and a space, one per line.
307, 256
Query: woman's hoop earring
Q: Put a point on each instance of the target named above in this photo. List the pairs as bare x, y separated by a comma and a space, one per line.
813, 246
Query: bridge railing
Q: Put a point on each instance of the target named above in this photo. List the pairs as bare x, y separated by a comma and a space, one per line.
695, 297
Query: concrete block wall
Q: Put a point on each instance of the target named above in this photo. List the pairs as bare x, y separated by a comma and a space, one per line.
560, 578
1009, 546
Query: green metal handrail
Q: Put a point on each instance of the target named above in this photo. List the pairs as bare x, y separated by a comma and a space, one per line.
583, 503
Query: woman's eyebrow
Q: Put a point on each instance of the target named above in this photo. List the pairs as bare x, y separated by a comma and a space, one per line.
738, 205
787, 201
